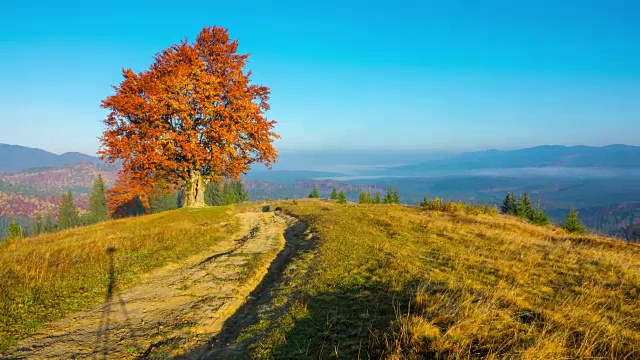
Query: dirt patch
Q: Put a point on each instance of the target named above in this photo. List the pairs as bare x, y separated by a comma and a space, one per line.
225, 344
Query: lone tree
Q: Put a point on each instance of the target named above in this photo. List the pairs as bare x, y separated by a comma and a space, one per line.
573, 224
192, 117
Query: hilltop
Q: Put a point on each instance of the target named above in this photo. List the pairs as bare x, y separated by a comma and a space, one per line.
345, 281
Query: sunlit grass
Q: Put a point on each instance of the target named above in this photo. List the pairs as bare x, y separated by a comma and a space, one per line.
399, 282
45, 277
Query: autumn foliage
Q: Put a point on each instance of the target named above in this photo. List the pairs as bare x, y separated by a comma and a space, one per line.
192, 117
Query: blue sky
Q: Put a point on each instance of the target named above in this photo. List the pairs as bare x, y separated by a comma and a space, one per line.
344, 75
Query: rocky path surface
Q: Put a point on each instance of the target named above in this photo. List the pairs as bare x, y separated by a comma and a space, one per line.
173, 309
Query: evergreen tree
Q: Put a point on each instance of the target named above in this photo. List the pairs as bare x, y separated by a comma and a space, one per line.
509, 205
67, 212
240, 194
391, 197
98, 211
83, 219
364, 198
573, 224
539, 217
315, 193
225, 193
229, 194
377, 199
49, 225
524, 208
15, 230
342, 198
163, 201
395, 197
180, 197
334, 194
213, 194
38, 225
425, 202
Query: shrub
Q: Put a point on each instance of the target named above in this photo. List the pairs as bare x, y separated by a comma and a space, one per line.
453, 207
438, 204
435, 204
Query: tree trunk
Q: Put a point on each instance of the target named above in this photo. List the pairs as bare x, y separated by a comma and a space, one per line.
194, 190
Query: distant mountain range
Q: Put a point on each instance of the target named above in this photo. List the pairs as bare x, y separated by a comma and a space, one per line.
31, 180
17, 158
611, 156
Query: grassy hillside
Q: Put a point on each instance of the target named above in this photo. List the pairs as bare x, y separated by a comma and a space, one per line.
378, 281
45, 277
388, 281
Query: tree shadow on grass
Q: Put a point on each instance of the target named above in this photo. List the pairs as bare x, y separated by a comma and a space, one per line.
350, 322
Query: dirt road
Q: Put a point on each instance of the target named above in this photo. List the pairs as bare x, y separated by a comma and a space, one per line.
173, 309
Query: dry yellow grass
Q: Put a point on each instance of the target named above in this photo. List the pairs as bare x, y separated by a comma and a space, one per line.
45, 277
397, 282
384, 281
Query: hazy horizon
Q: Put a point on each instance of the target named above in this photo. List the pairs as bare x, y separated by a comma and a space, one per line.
391, 152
